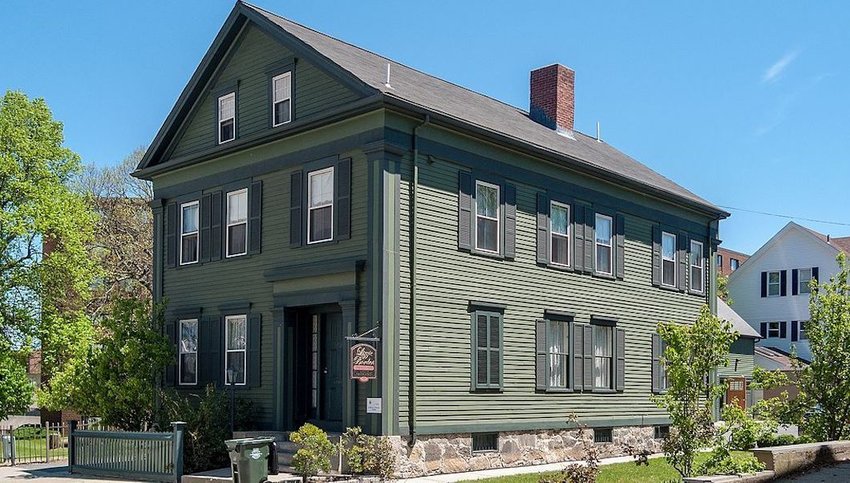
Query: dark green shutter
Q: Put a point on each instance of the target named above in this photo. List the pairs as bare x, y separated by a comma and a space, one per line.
578, 356
510, 221
464, 211
620, 246
210, 353
578, 237
589, 239
588, 357
204, 228
170, 330
171, 234
620, 371
495, 332
794, 331
255, 332
255, 217
683, 261
542, 351
656, 255
543, 228
342, 201
764, 284
296, 222
795, 281
783, 283
783, 329
216, 221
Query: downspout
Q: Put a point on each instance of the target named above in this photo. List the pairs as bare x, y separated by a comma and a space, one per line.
411, 380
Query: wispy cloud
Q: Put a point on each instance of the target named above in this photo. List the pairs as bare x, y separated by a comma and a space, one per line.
774, 71
786, 103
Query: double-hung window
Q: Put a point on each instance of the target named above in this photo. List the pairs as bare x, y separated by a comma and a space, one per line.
604, 244
773, 330
281, 99
719, 261
558, 353
603, 356
236, 346
559, 224
227, 118
668, 259
320, 211
805, 276
189, 233
487, 346
733, 264
237, 223
486, 217
774, 283
802, 335
188, 361
697, 264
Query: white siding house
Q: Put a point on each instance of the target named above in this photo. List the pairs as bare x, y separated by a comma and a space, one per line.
770, 290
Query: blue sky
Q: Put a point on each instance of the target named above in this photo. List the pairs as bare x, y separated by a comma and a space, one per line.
744, 103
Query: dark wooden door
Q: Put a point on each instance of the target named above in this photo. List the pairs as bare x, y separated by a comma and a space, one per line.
332, 371
737, 392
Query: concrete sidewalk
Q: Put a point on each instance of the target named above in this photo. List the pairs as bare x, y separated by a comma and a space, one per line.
518, 470
47, 473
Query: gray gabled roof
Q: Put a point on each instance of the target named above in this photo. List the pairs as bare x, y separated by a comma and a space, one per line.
725, 312
442, 97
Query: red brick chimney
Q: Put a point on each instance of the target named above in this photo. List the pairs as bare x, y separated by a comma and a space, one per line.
553, 97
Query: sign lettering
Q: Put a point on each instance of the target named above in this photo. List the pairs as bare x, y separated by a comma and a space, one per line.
364, 362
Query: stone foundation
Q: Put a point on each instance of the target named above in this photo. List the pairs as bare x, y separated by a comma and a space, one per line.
452, 453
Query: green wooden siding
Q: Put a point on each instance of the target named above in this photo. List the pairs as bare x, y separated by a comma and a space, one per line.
240, 279
742, 350
249, 65
447, 279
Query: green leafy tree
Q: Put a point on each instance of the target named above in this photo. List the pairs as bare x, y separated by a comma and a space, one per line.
723, 288
822, 408
16, 388
41, 213
692, 354
116, 376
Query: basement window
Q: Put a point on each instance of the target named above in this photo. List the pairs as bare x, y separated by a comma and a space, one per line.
603, 435
661, 432
484, 442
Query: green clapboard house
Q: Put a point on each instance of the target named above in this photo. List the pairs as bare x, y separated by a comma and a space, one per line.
506, 269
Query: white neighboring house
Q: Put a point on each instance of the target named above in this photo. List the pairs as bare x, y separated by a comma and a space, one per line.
771, 290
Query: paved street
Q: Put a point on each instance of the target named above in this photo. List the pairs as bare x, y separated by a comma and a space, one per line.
45, 473
840, 472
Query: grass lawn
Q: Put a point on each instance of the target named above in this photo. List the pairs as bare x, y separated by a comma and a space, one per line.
658, 471
35, 449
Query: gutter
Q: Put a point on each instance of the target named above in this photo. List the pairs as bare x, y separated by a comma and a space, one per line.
411, 366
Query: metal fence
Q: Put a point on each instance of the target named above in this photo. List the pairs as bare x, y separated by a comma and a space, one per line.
34, 443
133, 455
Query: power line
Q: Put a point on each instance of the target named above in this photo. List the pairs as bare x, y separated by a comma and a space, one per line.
790, 217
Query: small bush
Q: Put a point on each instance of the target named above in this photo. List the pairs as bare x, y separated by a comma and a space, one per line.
745, 431
315, 452
367, 454
29, 432
781, 440
207, 418
723, 462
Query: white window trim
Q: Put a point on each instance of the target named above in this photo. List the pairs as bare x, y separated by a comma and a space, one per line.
244, 351
701, 266
180, 353
196, 233
220, 120
778, 284
568, 235
331, 204
227, 253
275, 101
497, 219
675, 262
612, 370
778, 330
610, 245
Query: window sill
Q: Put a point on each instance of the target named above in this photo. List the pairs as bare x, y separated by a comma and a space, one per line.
565, 390
606, 276
671, 288
604, 391
561, 268
486, 390
484, 253
701, 293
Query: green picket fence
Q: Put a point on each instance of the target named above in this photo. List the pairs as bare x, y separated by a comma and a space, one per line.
132, 455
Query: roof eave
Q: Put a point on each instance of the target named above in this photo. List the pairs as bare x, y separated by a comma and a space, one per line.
438, 117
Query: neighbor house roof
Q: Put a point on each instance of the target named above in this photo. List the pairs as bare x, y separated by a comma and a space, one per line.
777, 356
414, 90
840, 243
725, 312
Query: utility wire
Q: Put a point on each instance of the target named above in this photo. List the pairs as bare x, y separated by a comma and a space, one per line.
785, 216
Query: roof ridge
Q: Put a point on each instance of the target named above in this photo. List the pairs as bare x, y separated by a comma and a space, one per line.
402, 64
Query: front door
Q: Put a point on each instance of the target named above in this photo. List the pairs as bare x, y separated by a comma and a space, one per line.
737, 392
332, 371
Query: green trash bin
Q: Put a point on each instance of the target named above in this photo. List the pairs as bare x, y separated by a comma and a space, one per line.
249, 459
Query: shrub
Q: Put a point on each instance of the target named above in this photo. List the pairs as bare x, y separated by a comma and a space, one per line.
207, 418
745, 431
722, 462
29, 432
781, 440
367, 454
314, 454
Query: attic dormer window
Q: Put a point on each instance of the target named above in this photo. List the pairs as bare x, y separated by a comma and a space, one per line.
281, 99
227, 118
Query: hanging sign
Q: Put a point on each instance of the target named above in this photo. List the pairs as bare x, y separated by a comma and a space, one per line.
364, 362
